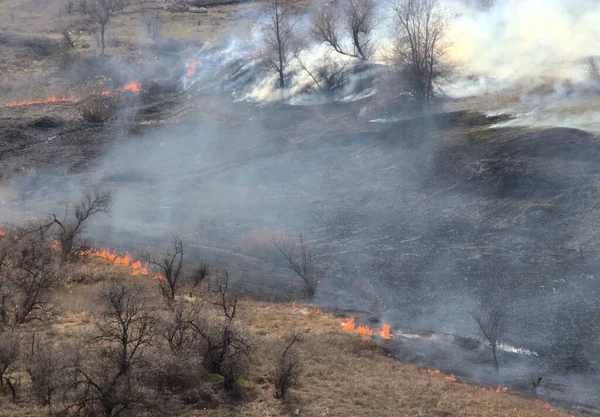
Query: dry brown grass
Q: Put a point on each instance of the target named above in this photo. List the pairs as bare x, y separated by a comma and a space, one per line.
344, 375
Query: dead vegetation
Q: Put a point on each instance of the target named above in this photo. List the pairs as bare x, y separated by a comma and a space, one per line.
113, 349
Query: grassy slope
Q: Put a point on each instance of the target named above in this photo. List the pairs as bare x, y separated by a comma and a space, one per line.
344, 375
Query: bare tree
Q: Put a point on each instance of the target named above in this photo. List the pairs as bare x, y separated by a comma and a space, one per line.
299, 258
491, 326
288, 366
10, 345
110, 377
101, 11
72, 224
593, 69
69, 31
357, 20
49, 367
150, 21
419, 54
278, 36
226, 299
28, 273
169, 263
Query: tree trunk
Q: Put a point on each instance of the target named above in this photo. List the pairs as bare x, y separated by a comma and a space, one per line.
12, 387
103, 27
496, 365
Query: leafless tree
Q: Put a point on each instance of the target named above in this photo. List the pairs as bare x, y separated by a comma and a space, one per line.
180, 329
225, 348
101, 11
331, 73
288, 366
10, 346
28, 273
299, 258
491, 326
419, 54
357, 20
226, 299
71, 226
110, 377
49, 366
593, 69
169, 264
200, 274
150, 21
69, 31
278, 36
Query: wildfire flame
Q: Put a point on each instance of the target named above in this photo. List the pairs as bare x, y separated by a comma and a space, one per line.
133, 86
349, 325
137, 267
46, 101
191, 67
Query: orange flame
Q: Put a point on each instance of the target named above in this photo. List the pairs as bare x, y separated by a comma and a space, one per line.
137, 267
450, 378
294, 305
191, 67
134, 87
385, 332
46, 101
1, 230
55, 245
349, 325
498, 389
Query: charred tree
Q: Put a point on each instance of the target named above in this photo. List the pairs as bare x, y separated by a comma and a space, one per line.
491, 326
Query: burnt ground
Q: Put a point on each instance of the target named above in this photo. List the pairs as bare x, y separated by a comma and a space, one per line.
413, 221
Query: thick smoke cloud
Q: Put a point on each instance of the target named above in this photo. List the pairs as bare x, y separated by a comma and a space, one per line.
513, 39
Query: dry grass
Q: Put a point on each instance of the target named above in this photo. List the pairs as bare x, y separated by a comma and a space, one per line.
344, 375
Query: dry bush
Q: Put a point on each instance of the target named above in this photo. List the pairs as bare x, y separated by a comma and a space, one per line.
168, 262
110, 377
10, 347
357, 20
28, 273
300, 260
67, 231
50, 367
288, 366
98, 109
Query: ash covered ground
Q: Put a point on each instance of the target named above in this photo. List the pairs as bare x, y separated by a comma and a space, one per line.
413, 222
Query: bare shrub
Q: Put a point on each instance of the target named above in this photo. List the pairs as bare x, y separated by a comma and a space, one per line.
299, 258
225, 348
491, 326
169, 263
180, 329
357, 21
593, 69
50, 368
151, 23
331, 74
418, 61
97, 109
28, 273
70, 227
110, 377
10, 346
100, 12
288, 366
